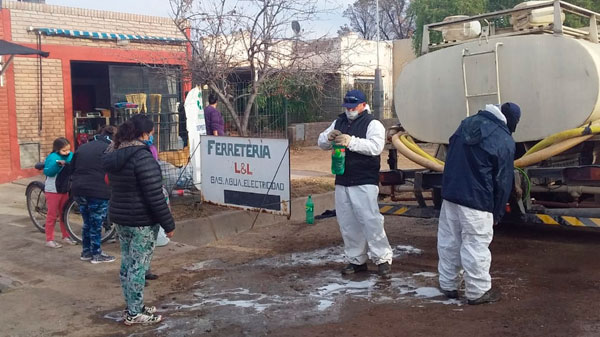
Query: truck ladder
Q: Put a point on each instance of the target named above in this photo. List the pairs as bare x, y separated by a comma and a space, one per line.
466, 54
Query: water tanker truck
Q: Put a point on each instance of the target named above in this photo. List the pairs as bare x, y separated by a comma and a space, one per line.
526, 55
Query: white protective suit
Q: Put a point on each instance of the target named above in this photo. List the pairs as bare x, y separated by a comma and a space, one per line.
357, 209
464, 235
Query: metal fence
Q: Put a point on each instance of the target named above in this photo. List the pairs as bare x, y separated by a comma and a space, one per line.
170, 139
269, 118
271, 114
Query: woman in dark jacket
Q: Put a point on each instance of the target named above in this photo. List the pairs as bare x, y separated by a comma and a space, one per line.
91, 192
137, 207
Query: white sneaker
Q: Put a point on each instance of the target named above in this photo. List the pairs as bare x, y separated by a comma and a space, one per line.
53, 244
146, 310
142, 318
69, 241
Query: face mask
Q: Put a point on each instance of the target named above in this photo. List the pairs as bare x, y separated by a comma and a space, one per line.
150, 140
351, 114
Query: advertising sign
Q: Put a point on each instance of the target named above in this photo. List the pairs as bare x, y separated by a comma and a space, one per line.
196, 126
250, 173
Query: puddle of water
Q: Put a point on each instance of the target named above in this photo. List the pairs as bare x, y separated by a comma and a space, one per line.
261, 300
312, 258
116, 316
428, 292
324, 305
178, 327
341, 287
241, 298
426, 274
324, 256
208, 264
401, 250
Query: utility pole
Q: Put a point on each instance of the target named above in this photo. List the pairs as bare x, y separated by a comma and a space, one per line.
378, 85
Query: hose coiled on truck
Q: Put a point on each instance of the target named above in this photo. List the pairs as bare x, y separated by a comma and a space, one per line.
546, 148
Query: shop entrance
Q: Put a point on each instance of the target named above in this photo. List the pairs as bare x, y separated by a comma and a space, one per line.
156, 90
91, 99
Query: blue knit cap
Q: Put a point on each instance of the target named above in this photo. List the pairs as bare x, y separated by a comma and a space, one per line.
512, 112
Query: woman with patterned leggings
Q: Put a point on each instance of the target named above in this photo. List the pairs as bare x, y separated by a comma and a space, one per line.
137, 207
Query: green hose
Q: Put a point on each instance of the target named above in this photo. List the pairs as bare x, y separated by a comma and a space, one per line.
527, 194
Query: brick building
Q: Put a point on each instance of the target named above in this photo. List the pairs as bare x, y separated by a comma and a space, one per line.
96, 59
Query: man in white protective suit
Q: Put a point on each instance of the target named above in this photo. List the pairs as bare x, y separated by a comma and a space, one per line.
477, 182
356, 191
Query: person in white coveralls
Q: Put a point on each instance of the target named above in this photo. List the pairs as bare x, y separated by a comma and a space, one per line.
477, 182
356, 191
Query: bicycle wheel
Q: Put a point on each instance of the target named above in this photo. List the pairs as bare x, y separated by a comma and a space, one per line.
108, 228
36, 204
74, 222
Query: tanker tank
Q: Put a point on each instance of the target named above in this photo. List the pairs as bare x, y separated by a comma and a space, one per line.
555, 79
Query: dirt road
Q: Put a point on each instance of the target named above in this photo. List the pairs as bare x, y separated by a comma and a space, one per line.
284, 281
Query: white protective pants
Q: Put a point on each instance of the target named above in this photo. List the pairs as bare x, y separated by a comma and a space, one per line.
361, 224
464, 235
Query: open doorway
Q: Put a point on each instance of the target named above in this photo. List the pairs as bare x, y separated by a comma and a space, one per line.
96, 87
91, 99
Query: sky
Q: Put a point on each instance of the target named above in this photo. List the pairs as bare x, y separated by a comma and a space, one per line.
326, 24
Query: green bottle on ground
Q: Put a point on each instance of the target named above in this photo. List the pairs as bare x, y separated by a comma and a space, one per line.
310, 211
338, 159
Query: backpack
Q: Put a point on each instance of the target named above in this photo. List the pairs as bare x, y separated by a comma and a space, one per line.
63, 179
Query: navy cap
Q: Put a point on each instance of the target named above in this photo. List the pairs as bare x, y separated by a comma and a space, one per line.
354, 98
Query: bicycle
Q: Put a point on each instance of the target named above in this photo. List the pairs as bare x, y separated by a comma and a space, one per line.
36, 206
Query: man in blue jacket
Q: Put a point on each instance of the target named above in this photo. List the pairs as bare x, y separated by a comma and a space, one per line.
478, 179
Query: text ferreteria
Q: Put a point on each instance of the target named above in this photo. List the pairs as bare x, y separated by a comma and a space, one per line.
238, 150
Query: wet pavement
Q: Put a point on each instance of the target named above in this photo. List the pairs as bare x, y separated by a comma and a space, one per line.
285, 291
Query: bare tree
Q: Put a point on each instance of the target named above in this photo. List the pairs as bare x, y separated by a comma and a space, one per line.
362, 18
345, 29
250, 41
394, 21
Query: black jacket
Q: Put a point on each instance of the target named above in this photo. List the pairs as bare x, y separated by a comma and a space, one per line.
479, 164
360, 169
136, 188
87, 179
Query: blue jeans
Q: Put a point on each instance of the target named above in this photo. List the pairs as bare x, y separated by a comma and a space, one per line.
93, 212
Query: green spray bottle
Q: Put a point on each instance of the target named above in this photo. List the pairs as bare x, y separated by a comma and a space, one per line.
310, 211
338, 159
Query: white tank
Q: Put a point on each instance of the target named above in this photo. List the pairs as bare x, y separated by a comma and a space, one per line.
533, 17
554, 79
460, 31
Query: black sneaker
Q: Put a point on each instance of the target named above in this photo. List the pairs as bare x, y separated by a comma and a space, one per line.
352, 268
85, 256
490, 296
102, 257
384, 269
151, 276
450, 293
